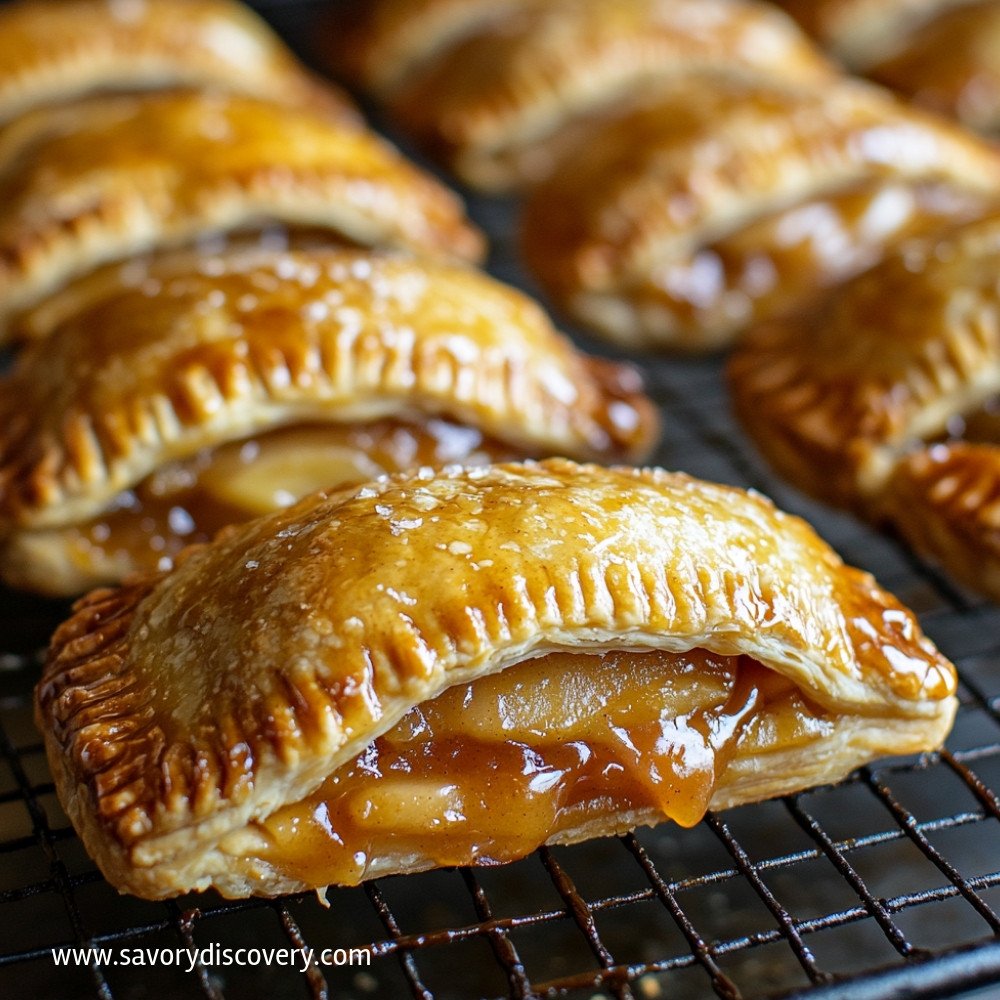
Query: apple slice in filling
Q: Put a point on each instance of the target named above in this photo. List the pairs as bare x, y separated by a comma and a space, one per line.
549, 750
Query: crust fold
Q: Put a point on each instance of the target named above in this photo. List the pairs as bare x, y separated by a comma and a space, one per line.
640, 235
499, 98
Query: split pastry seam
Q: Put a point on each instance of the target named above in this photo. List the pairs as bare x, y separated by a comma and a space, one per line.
154, 807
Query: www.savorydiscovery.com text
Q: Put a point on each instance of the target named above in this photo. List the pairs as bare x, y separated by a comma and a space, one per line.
213, 956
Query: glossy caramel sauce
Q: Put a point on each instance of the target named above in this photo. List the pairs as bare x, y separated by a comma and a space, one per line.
190, 500
776, 264
488, 771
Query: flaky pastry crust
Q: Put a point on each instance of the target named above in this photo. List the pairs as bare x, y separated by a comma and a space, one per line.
676, 225
185, 708
844, 400
55, 52
110, 177
148, 362
501, 104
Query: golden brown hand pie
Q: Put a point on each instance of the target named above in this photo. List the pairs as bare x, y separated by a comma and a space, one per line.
110, 177
176, 396
456, 668
499, 91
943, 53
886, 398
718, 205
55, 52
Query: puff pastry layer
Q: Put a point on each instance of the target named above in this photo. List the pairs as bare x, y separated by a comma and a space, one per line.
225, 725
150, 415
500, 90
718, 205
885, 399
56, 52
110, 177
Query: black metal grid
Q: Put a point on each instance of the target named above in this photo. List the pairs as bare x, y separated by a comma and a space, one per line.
887, 885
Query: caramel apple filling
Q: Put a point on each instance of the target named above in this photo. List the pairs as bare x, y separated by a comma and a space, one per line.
488, 771
189, 501
777, 263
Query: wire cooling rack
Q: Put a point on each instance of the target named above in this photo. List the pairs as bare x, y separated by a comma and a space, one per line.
887, 885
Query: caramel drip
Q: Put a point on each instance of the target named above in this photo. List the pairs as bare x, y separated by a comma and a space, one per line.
190, 500
489, 771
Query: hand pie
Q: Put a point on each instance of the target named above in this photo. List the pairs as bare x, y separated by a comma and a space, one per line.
718, 205
174, 397
456, 668
51, 53
943, 53
110, 177
499, 98
886, 398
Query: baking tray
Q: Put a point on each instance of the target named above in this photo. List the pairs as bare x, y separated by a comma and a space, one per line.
886, 885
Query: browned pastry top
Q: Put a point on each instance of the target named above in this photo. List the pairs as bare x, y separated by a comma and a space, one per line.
862, 32
886, 398
382, 43
890, 360
952, 64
